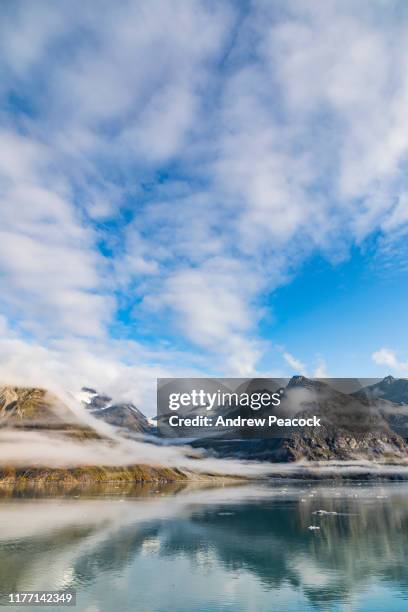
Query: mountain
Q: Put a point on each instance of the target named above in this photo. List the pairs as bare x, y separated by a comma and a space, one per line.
126, 416
353, 428
32, 409
92, 399
392, 389
44, 439
123, 415
391, 395
303, 382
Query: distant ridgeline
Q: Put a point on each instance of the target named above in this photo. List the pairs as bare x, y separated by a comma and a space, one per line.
300, 419
373, 427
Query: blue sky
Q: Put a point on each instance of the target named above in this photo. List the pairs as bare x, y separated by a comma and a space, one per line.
202, 188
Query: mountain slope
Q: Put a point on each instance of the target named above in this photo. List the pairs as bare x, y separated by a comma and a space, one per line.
123, 415
33, 409
392, 389
36, 424
353, 427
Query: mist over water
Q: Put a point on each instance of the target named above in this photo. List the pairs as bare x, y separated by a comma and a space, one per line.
246, 547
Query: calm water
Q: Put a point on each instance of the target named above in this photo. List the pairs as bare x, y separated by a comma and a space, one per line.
221, 549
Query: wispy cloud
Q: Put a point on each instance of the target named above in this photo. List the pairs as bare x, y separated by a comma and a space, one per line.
388, 357
294, 363
321, 369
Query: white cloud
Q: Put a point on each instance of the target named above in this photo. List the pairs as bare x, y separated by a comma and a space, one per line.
388, 357
47, 255
299, 367
321, 369
296, 365
125, 370
398, 217
212, 308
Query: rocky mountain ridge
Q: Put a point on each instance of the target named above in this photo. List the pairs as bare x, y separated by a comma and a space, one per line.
124, 415
33, 418
356, 425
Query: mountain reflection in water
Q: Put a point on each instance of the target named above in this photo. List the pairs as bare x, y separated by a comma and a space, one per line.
233, 548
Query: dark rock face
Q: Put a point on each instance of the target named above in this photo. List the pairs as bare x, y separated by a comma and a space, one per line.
342, 446
391, 394
339, 446
123, 415
356, 427
305, 383
100, 401
126, 416
392, 389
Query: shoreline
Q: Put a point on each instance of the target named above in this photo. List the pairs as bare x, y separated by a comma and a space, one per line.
148, 474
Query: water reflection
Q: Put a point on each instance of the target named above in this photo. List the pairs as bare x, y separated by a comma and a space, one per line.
233, 548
